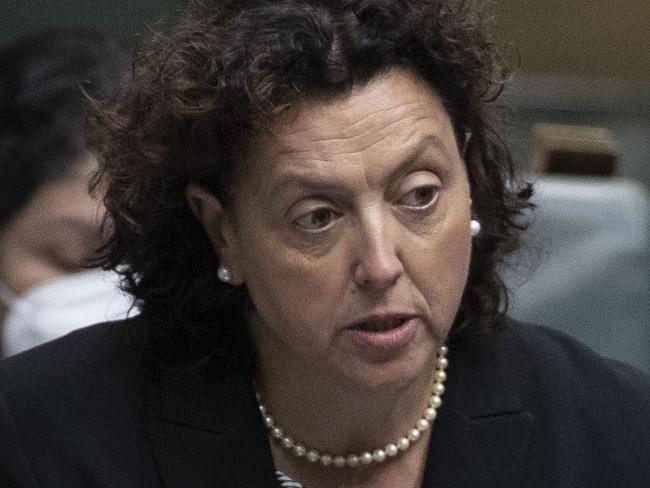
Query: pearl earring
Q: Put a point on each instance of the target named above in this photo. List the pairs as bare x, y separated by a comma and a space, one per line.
224, 274
474, 227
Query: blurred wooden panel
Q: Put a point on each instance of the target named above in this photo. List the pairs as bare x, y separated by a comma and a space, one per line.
580, 38
575, 150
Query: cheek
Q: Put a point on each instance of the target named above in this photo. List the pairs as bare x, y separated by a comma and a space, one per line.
441, 268
285, 286
23, 265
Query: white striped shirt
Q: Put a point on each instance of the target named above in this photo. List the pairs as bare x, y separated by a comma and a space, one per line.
285, 481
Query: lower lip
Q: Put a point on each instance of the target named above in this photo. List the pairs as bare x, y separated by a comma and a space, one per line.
388, 339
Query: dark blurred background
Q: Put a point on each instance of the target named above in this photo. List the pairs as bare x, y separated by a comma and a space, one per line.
131, 18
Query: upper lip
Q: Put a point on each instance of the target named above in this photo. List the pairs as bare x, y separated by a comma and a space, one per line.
380, 317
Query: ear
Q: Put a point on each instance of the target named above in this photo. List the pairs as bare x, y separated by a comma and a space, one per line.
217, 225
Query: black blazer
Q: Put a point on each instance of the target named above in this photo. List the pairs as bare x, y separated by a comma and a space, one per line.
528, 407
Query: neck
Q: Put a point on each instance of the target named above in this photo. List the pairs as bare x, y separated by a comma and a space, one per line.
330, 416
327, 410
333, 413
323, 415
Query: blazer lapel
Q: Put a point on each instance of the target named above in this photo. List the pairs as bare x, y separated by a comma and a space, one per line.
206, 431
475, 453
481, 436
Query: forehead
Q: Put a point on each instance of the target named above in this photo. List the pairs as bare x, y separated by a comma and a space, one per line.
68, 196
59, 206
393, 112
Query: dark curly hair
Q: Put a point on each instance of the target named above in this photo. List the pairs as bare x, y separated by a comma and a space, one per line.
201, 92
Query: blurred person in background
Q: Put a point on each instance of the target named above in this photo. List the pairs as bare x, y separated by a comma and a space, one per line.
50, 226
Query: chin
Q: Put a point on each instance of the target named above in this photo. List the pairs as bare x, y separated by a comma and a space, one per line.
396, 374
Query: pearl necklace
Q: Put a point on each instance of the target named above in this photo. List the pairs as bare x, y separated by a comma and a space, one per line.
379, 455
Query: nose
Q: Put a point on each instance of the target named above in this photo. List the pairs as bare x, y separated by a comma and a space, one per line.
378, 264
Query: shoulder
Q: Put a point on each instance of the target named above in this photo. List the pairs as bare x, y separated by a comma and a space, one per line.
73, 398
536, 350
588, 414
543, 362
100, 354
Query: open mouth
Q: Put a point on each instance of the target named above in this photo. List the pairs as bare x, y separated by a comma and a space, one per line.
381, 325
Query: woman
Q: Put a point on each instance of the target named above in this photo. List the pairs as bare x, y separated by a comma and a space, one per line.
49, 224
310, 202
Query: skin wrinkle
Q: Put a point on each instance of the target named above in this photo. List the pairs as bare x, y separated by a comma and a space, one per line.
348, 127
327, 162
365, 206
334, 108
288, 178
353, 138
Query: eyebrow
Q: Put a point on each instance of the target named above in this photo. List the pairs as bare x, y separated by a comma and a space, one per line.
423, 146
303, 179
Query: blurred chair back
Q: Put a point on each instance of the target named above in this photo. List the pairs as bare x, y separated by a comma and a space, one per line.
590, 243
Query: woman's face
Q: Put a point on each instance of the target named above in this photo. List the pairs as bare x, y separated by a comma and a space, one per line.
53, 234
351, 218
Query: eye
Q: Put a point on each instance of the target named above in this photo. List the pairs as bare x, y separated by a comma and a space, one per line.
421, 198
317, 219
